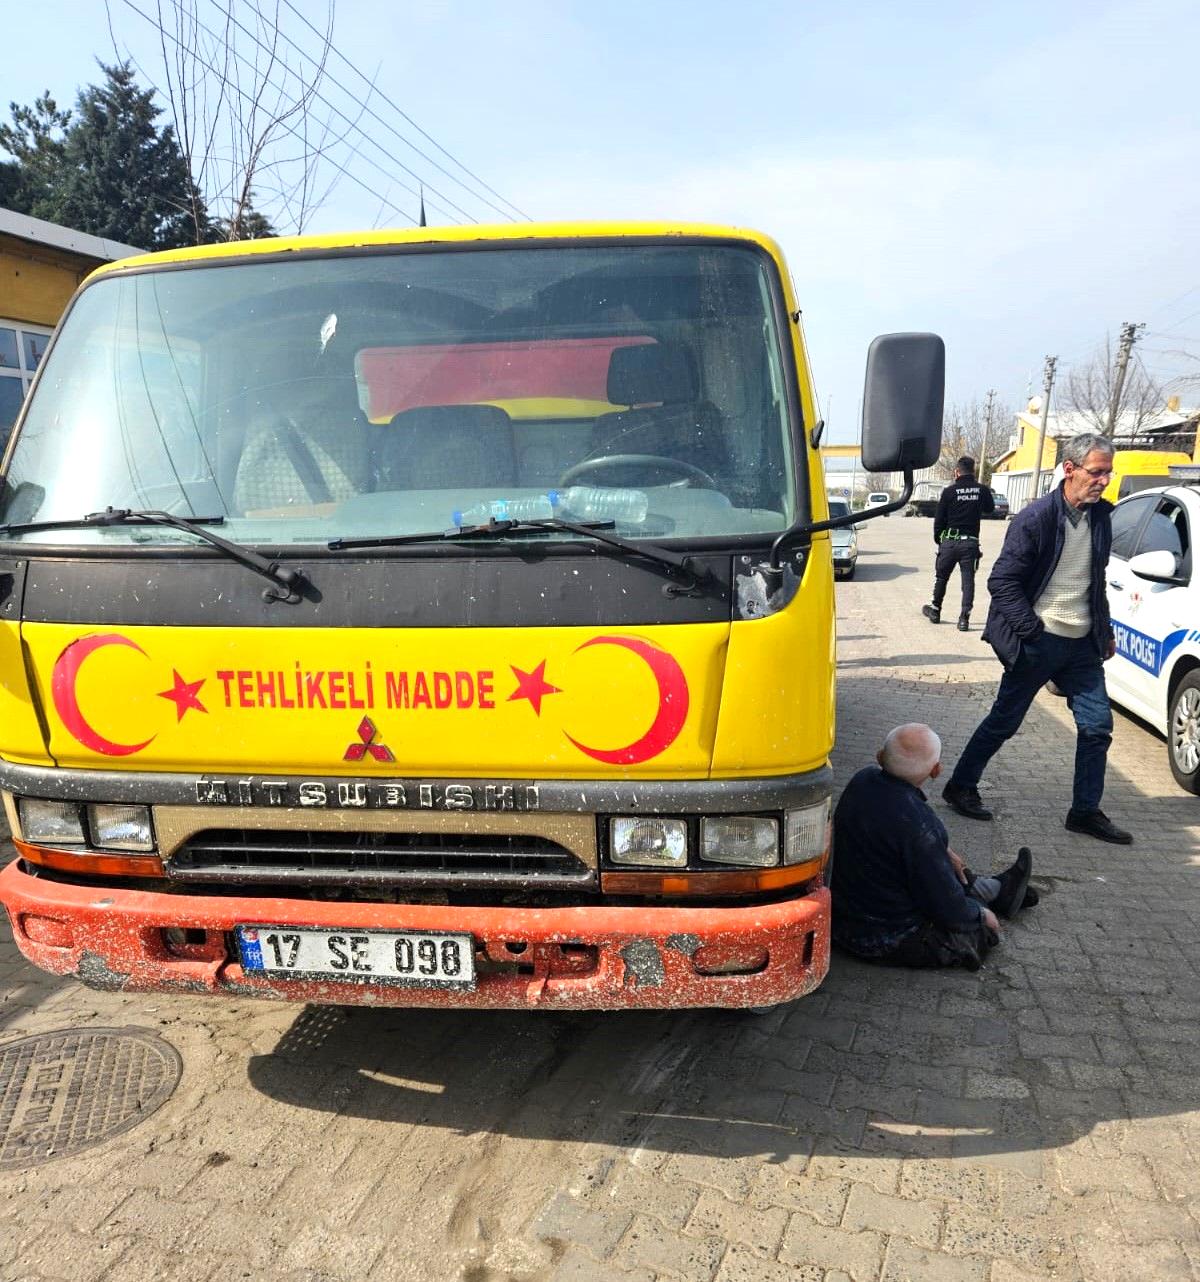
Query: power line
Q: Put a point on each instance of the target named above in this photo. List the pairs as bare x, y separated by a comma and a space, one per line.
1188, 317
250, 98
399, 111
288, 128
320, 97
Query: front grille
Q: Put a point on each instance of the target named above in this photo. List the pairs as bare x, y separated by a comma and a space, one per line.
377, 859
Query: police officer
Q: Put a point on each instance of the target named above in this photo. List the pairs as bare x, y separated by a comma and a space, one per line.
956, 532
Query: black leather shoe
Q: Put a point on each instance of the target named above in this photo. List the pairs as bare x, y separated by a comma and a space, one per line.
1032, 898
964, 624
1014, 882
932, 613
965, 800
1095, 823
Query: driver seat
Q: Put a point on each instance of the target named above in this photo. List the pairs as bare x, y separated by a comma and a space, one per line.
658, 382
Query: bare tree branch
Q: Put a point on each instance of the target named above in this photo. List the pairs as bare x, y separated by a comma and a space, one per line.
233, 107
1089, 388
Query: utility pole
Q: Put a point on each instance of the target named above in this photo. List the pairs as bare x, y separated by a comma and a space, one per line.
1129, 336
987, 439
1047, 388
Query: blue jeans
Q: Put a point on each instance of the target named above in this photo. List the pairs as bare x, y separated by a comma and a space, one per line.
1074, 666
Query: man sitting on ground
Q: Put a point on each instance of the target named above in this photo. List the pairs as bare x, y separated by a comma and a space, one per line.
901, 896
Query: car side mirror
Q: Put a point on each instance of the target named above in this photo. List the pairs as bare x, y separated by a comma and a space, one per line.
903, 402
1158, 567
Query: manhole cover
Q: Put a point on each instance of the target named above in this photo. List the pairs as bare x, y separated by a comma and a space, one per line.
65, 1091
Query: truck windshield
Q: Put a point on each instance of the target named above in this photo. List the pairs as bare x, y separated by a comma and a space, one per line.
356, 395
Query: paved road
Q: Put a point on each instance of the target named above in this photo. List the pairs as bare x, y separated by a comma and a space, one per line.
1037, 1120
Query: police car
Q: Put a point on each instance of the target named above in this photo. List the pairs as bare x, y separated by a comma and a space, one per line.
1154, 598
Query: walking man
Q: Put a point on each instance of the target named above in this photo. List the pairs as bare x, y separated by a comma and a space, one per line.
1048, 621
956, 533
901, 896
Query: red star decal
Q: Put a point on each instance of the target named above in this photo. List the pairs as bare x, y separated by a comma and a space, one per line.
184, 695
532, 686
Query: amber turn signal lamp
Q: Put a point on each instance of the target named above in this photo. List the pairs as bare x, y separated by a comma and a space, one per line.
92, 863
749, 882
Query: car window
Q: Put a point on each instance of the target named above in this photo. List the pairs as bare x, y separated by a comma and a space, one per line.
1126, 521
1167, 531
838, 507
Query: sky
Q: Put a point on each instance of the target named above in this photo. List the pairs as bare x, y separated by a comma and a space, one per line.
1020, 178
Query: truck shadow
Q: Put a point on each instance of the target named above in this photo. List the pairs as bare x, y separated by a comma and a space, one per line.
906, 661
1082, 1022
882, 572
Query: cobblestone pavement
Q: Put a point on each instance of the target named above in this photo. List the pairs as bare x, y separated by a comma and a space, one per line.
1036, 1120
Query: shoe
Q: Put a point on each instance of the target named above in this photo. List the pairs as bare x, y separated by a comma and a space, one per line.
1095, 823
1032, 898
1014, 882
965, 800
932, 613
964, 624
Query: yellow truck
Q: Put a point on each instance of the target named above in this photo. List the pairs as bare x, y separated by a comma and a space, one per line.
432, 617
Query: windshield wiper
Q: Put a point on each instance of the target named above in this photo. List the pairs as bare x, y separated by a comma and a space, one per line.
287, 582
678, 565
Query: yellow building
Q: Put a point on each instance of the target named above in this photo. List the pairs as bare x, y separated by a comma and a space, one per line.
1171, 428
41, 264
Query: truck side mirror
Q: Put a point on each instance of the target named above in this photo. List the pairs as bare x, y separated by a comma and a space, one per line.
903, 402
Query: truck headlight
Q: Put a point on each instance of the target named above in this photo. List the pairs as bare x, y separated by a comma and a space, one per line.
52, 823
648, 843
806, 833
121, 827
748, 840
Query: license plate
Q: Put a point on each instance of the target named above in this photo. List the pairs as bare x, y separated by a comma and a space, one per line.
423, 960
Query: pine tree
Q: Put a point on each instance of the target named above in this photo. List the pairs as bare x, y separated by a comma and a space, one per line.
122, 176
30, 182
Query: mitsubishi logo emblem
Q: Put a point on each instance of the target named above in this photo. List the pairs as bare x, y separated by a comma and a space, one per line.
367, 733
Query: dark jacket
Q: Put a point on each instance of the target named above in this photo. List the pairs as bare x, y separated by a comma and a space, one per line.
1032, 548
891, 871
960, 506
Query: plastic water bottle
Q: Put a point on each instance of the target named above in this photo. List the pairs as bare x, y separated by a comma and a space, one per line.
539, 508
597, 503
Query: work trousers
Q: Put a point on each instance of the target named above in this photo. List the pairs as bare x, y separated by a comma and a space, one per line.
934, 945
1074, 665
966, 555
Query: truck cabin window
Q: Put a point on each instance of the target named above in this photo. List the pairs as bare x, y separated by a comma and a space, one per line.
376, 394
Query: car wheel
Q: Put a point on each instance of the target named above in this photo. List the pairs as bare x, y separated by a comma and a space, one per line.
850, 572
1183, 733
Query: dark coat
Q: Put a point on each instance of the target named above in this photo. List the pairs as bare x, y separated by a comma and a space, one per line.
960, 506
1032, 549
891, 871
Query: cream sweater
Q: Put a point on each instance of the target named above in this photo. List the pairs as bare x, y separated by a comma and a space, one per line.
1064, 607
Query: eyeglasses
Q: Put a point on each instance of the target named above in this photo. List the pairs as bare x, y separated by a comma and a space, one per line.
1095, 472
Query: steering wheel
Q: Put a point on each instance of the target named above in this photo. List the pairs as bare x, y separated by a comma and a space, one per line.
686, 473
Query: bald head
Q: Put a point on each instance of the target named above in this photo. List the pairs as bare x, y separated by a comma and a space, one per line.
911, 752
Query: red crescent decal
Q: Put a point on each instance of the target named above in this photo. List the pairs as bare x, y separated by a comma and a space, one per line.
66, 703
672, 705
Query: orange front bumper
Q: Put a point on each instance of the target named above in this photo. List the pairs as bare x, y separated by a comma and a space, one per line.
601, 958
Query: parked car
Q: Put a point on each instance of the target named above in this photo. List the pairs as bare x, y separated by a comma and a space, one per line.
878, 498
1154, 599
925, 497
844, 542
1000, 511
